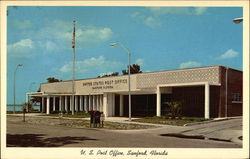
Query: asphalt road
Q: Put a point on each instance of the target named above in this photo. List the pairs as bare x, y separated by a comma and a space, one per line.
21, 134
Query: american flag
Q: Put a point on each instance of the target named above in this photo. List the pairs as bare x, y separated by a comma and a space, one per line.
74, 36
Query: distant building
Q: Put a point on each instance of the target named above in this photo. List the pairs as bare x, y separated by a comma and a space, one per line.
214, 91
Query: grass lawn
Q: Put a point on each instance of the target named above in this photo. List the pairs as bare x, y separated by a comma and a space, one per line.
21, 112
75, 123
163, 120
107, 125
16, 112
76, 115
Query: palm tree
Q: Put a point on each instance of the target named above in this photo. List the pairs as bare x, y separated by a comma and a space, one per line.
174, 109
135, 68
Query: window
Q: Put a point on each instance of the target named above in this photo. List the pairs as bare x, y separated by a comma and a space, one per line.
236, 97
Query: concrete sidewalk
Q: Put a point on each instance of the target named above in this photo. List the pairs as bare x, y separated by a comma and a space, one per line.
227, 129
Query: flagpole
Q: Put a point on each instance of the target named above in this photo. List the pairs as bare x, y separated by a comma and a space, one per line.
73, 72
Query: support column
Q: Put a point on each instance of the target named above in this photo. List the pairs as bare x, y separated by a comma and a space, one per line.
207, 99
86, 105
60, 104
105, 104
76, 103
93, 102
101, 103
63, 104
121, 105
90, 103
27, 101
81, 103
43, 106
27, 98
66, 103
113, 104
54, 103
27, 107
70, 103
158, 104
48, 105
98, 102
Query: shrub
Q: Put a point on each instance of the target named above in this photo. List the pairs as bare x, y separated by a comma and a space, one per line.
55, 112
27, 106
174, 110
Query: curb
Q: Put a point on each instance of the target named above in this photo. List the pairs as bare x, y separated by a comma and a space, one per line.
214, 120
236, 140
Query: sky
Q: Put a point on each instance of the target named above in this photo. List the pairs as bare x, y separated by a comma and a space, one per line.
159, 38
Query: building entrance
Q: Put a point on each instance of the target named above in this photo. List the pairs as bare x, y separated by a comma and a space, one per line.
141, 105
117, 105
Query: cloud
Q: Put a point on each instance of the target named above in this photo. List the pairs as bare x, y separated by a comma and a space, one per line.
228, 54
189, 64
85, 35
139, 62
200, 10
177, 10
22, 24
138, 15
151, 16
169, 10
57, 34
150, 21
99, 65
107, 73
50, 45
93, 35
21, 48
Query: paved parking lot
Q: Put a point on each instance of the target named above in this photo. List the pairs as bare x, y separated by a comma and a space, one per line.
21, 134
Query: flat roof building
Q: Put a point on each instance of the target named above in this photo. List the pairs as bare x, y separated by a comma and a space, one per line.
214, 91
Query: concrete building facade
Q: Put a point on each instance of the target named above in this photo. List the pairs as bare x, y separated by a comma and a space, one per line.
214, 91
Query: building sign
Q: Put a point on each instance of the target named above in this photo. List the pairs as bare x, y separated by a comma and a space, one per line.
107, 84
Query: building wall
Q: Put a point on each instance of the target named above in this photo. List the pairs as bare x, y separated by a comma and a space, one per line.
204, 74
91, 86
214, 101
231, 82
138, 81
222, 102
192, 97
234, 86
192, 100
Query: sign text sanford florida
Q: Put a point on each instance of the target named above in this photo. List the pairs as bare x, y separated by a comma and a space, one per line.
108, 84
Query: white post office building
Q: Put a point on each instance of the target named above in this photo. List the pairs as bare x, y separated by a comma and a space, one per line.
214, 91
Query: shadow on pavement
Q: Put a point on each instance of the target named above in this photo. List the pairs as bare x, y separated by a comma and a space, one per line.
200, 137
38, 140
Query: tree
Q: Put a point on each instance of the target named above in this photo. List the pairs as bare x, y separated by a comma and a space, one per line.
135, 68
8, 12
108, 75
52, 80
27, 106
35, 99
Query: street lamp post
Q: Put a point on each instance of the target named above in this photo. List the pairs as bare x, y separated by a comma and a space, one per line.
237, 20
73, 71
129, 85
19, 65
